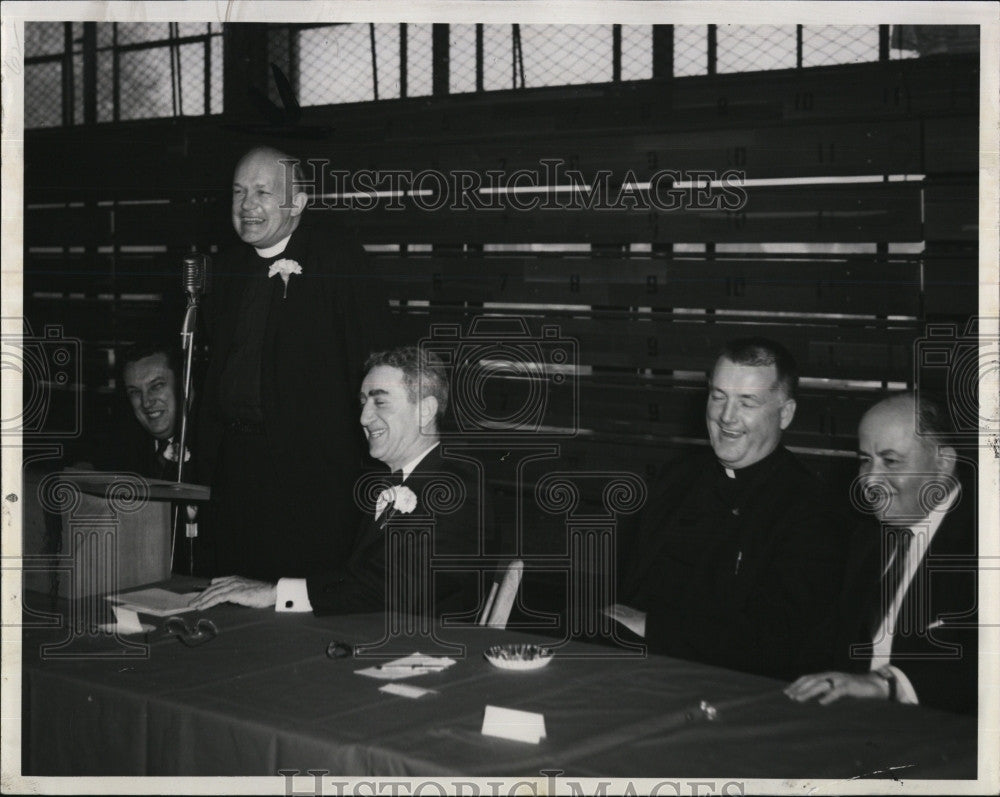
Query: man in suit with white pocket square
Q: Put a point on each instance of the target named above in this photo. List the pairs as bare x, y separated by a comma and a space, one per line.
906, 625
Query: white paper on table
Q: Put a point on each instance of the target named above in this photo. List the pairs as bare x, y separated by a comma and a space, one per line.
407, 667
406, 690
155, 601
126, 622
509, 723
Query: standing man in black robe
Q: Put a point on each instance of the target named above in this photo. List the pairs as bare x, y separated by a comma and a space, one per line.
280, 447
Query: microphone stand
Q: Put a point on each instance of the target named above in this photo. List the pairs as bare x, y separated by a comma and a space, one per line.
187, 345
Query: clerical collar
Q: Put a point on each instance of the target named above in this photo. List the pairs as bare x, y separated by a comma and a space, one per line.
750, 471
277, 249
409, 466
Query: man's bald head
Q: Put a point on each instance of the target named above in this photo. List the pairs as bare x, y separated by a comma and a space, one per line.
267, 207
904, 457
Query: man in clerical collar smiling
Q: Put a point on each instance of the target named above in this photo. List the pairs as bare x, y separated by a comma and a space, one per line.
403, 399
737, 553
750, 403
292, 313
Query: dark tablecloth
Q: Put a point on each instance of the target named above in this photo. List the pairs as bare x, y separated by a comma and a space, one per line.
263, 696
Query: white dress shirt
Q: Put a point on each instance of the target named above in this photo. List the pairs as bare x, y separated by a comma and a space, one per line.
292, 593
923, 533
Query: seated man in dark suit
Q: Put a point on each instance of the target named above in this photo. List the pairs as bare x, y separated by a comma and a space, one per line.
152, 376
403, 397
146, 442
738, 551
906, 626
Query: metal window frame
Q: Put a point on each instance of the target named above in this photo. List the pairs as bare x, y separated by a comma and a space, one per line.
85, 46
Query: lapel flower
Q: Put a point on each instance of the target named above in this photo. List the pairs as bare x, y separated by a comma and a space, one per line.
170, 452
285, 268
398, 499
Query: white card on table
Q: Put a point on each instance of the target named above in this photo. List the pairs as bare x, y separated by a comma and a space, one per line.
405, 690
509, 723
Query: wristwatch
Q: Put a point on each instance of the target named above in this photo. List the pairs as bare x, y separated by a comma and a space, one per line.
887, 675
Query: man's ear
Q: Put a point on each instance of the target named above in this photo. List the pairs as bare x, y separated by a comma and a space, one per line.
428, 411
299, 201
945, 459
787, 412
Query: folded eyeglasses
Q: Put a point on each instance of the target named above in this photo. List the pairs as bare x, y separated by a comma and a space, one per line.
204, 631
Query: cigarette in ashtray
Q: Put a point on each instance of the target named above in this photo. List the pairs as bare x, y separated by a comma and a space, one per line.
521, 652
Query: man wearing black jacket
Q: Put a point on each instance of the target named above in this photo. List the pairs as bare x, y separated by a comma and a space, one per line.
293, 312
906, 627
737, 554
147, 442
403, 397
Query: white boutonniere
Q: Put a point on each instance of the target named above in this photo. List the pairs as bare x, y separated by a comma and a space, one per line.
170, 452
398, 499
285, 268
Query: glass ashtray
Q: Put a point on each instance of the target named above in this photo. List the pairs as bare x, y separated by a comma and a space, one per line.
518, 657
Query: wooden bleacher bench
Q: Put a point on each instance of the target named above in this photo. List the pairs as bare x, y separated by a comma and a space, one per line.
647, 320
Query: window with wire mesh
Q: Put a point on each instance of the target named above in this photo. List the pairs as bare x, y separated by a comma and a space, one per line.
826, 45
47, 48
144, 70
158, 69
163, 69
690, 50
910, 41
362, 62
355, 62
748, 48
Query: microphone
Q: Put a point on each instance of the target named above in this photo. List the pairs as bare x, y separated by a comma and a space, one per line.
195, 268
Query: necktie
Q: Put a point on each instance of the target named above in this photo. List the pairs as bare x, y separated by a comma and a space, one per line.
162, 463
895, 568
897, 554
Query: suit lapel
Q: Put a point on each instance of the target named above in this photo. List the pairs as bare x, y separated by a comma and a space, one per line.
952, 540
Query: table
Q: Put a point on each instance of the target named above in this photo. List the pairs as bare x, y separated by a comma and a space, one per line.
263, 696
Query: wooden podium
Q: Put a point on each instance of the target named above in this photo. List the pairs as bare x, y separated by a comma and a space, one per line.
116, 530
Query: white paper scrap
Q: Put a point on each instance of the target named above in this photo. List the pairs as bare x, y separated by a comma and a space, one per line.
407, 667
406, 690
509, 723
126, 622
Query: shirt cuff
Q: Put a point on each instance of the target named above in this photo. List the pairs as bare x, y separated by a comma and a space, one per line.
292, 595
905, 693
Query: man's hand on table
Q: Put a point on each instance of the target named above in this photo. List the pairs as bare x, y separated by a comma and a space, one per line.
632, 619
236, 589
829, 687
